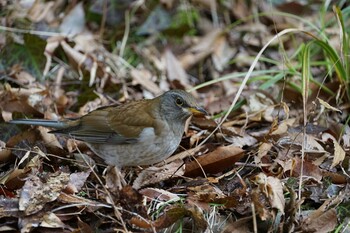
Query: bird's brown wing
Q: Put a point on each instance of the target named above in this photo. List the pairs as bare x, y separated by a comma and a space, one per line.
114, 124
129, 120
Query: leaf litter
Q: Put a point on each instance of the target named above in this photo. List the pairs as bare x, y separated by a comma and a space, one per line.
244, 177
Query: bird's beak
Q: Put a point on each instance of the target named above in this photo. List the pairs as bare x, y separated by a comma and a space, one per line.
198, 111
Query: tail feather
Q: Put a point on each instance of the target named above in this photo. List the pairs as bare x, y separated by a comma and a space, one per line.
39, 122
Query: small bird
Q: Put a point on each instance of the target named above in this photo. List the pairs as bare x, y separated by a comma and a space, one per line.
141, 132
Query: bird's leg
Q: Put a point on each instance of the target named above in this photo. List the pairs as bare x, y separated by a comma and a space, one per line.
114, 178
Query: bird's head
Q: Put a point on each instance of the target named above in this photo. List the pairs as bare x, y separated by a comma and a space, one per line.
180, 105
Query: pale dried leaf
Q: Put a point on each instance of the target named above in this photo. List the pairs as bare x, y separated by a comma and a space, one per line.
346, 136
144, 78
201, 50
242, 225
273, 189
74, 199
35, 193
74, 22
49, 138
264, 148
339, 153
87, 43
222, 53
78, 57
326, 222
50, 220
77, 181
40, 10
243, 140
175, 71
153, 175
328, 106
51, 45
283, 126
160, 195
7, 116
258, 102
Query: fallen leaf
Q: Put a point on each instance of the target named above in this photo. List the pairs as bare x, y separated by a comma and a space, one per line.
200, 50
273, 190
339, 153
326, 222
74, 22
216, 161
264, 148
36, 193
159, 195
153, 175
328, 106
144, 78
175, 71
77, 181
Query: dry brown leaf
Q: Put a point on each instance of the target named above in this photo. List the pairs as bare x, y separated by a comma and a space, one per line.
77, 181
216, 161
153, 175
260, 203
82, 202
13, 100
283, 126
84, 227
86, 61
201, 50
50, 220
242, 225
4, 153
176, 213
175, 71
144, 78
242, 140
326, 222
49, 138
309, 169
52, 44
240, 9
273, 190
41, 11
9, 207
13, 178
35, 193
263, 150
222, 52
159, 195
339, 153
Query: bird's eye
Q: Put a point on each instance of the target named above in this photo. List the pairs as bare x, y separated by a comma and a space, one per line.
179, 101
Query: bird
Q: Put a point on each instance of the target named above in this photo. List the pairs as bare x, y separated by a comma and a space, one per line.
137, 133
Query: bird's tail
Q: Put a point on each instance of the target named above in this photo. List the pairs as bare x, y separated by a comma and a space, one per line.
39, 122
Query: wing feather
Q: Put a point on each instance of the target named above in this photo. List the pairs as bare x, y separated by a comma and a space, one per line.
113, 125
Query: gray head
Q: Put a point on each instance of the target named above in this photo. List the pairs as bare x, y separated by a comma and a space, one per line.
179, 105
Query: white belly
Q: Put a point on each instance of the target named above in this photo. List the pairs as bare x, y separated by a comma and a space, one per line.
148, 150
